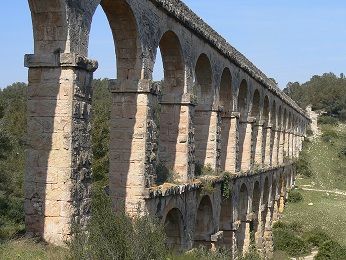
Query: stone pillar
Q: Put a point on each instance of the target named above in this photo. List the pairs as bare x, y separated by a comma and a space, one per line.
229, 130
133, 142
258, 156
206, 124
176, 136
58, 157
267, 145
247, 128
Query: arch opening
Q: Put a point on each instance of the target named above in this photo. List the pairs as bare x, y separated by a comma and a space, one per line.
244, 228
174, 229
172, 114
204, 225
203, 123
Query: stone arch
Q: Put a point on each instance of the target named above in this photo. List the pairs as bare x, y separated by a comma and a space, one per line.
204, 224
173, 65
50, 30
203, 123
242, 103
255, 109
227, 156
126, 39
173, 226
225, 96
265, 200
203, 80
279, 117
244, 228
273, 116
256, 199
266, 109
244, 129
226, 221
172, 113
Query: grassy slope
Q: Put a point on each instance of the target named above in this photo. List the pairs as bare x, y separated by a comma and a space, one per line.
24, 249
328, 210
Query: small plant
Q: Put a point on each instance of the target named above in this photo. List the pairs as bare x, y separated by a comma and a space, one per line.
207, 186
226, 190
165, 175
295, 196
204, 170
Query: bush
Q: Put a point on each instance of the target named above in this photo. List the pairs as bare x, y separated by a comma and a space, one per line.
165, 175
203, 253
342, 152
287, 241
117, 236
303, 166
328, 136
316, 237
295, 196
331, 250
201, 170
327, 120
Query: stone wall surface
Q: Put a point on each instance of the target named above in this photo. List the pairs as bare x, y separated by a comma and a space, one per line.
214, 113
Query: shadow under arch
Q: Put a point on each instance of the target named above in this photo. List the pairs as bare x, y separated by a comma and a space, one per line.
266, 134
204, 225
226, 103
173, 226
256, 198
273, 139
226, 221
128, 172
255, 113
243, 125
243, 229
203, 112
174, 116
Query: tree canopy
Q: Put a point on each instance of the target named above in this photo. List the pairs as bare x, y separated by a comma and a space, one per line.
326, 92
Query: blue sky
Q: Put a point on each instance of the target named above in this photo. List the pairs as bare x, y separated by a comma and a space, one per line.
289, 40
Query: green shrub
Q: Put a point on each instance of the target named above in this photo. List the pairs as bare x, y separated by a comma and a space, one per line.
225, 186
316, 237
342, 152
207, 186
328, 136
327, 120
303, 166
117, 236
331, 250
294, 196
203, 253
165, 175
201, 170
286, 240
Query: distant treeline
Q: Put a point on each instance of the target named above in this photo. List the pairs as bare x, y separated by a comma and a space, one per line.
326, 92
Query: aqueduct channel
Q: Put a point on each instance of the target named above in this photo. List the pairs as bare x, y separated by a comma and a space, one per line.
214, 107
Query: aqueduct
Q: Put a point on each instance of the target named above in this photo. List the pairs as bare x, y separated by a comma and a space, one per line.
214, 107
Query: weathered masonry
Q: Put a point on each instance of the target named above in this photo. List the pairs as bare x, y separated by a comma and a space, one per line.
214, 107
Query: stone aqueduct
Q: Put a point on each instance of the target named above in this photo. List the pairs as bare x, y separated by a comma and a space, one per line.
214, 107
